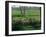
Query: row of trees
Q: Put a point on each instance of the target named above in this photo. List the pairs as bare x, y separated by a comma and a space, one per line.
23, 9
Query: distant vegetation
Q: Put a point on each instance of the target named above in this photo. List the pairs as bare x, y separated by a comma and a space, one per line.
26, 18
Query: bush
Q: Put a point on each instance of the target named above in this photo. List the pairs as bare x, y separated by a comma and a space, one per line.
21, 24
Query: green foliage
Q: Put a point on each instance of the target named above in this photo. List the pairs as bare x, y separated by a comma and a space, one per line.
32, 24
30, 21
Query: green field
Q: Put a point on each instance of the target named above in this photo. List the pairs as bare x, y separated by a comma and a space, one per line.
29, 21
